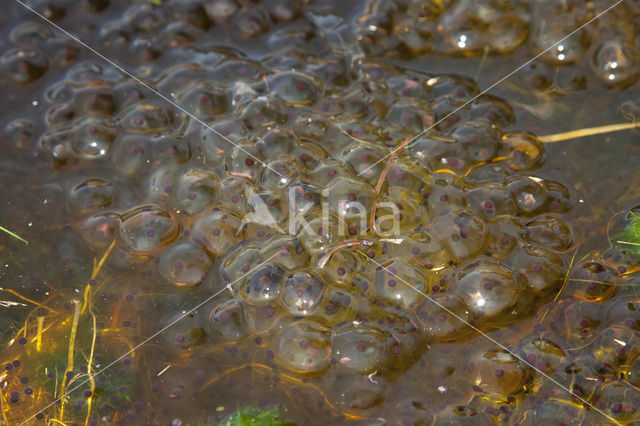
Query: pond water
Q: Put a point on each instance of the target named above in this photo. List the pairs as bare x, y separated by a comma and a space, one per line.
313, 208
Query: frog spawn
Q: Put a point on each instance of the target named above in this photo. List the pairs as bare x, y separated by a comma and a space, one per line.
346, 315
474, 28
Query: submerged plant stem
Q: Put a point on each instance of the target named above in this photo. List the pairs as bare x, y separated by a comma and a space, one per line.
70, 355
587, 131
14, 235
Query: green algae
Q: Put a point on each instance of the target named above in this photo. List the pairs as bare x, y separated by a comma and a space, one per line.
630, 235
254, 416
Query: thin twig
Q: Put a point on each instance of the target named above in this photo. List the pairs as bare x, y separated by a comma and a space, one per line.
383, 177
14, 235
91, 380
564, 283
587, 131
15, 293
70, 354
324, 259
482, 61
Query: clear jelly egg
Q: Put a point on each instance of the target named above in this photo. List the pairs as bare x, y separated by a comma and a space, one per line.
399, 283
144, 229
500, 373
444, 317
462, 233
229, 321
184, 264
303, 347
302, 293
359, 348
488, 288
264, 285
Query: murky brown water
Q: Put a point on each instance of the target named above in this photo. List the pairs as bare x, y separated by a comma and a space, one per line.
493, 302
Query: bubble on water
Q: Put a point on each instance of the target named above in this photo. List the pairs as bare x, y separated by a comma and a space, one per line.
184, 264
302, 293
488, 288
303, 347
145, 229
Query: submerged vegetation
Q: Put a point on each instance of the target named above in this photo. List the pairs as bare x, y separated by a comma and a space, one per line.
251, 416
630, 235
